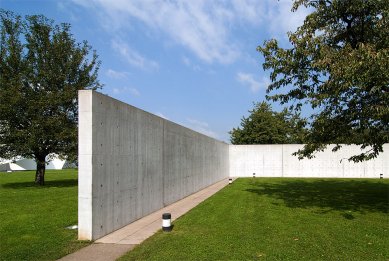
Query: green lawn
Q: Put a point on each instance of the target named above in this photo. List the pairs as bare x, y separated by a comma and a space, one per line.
252, 219
33, 218
281, 219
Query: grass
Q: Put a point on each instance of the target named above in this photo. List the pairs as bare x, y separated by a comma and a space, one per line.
252, 219
280, 219
33, 218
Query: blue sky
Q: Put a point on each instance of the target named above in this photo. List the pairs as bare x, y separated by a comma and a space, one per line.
192, 62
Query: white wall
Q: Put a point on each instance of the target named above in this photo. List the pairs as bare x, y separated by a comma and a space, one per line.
277, 161
132, 163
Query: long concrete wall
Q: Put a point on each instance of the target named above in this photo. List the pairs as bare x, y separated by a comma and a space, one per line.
132, 163
277, 161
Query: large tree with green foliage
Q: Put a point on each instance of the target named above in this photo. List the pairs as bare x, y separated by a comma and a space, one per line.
338, 63
41, 69
265, 126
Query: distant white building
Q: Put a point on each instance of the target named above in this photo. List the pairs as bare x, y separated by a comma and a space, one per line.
20, 163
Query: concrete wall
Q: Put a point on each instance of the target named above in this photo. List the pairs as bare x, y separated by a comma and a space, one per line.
132, 163
277, 161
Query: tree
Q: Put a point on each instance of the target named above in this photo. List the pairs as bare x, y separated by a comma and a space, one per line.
41, 69
265, 126
338, 63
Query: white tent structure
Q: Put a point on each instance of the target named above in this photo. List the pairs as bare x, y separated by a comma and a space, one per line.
16, 164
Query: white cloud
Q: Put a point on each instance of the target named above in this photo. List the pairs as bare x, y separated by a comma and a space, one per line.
200, 126
281, 19
132, 56
203, 27
254, 85
251, 11
186, 61
160, 114
189, 63
64, 7
134, 92
116, 74
124, 90
206, 28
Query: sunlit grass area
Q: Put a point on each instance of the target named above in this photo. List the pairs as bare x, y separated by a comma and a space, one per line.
34, 219
281, 219
252, 219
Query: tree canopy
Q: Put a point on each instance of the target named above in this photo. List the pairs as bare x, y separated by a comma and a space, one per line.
338, 63
265, 126
41, 69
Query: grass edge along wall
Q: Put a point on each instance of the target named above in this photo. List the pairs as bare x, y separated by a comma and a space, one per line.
132, 163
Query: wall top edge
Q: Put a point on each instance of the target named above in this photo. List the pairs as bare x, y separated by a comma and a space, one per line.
95, 93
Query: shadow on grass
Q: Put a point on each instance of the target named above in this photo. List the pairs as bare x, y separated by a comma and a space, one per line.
342, 195
48, 184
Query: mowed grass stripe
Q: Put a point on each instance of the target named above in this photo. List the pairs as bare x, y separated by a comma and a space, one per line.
281, 219
33, 218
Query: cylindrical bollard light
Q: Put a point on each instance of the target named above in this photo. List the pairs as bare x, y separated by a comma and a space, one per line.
254, 175
166, 222
229, 180
381, 176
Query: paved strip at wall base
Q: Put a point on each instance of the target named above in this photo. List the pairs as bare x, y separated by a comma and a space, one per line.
99, 252
138, 231
116, 244
278, 161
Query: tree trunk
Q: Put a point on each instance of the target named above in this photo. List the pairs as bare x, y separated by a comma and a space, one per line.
40, 170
